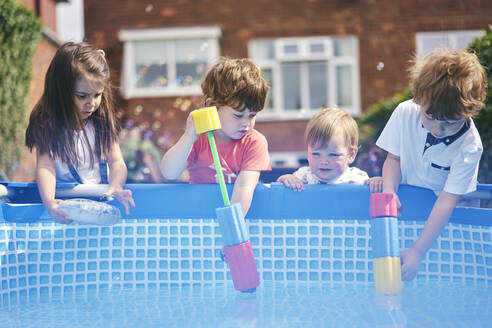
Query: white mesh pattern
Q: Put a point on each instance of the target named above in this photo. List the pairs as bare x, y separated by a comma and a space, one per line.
47, 258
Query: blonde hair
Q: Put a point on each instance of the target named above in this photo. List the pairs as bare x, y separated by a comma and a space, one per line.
237, 83
451, 82
325, 123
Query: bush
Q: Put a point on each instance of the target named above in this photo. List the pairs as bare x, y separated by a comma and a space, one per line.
483, 48
20, 31
372, 122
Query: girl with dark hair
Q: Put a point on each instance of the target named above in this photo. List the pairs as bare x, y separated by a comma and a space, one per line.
74, 128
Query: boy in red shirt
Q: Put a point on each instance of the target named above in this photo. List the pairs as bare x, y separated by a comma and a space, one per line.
238, 89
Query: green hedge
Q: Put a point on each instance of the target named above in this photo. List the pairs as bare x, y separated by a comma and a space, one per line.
20, 31
372, 122
483, 48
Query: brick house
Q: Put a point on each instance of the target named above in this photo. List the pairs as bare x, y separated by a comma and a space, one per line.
314, 53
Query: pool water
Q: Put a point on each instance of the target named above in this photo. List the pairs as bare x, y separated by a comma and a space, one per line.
314, 262
167, 273
429, 304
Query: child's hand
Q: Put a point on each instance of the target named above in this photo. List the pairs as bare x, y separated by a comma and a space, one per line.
291, 181
190, 128
375, 184
124, 196
58, 215
410, 261
398, 205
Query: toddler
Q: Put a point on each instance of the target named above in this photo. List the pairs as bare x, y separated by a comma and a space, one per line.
332, 137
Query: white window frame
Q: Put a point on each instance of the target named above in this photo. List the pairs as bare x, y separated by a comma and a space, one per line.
168, 35
304, 57
451, 36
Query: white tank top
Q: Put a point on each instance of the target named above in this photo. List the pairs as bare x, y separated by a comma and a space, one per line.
86, 173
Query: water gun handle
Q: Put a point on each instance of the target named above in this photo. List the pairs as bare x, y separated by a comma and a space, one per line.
218, 168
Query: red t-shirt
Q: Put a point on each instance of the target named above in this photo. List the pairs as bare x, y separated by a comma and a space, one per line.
250, 153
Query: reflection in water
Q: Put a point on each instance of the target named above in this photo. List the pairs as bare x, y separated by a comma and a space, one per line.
283, 305
245, 309
389, 312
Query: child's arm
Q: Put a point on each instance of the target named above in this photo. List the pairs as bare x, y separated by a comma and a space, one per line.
153, 166
46, 179
392, 176
244, 188
438, 218
174, 160
291, 181
117, 178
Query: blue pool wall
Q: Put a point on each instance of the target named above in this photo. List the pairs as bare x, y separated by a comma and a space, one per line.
272, 201
320, 235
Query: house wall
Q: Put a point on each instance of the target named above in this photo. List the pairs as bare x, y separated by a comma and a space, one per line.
45, 50
385, 30
44, 9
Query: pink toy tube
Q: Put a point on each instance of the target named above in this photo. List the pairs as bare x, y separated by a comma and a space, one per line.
385, 249
243, 267
237, 248
383, 205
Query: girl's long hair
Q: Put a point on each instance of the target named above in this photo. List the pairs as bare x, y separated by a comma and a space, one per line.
55, 118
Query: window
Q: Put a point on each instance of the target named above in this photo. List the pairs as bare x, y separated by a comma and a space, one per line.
308, 73
167, 62
429, 41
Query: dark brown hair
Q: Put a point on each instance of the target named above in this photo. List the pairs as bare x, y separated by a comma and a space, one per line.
237, 83
452, 83
55, 117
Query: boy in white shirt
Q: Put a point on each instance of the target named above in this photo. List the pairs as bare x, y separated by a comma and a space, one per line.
432, 141
332, 137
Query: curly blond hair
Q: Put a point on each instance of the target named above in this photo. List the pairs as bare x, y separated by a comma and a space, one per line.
452, 83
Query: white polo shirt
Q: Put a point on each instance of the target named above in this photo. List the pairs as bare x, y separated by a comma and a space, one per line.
450, 165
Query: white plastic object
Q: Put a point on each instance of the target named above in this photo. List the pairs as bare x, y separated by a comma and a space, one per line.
89, 211
3, 191
82, 190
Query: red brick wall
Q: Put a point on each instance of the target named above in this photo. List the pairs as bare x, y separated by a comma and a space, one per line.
45, 51
48, 13
385, 30
45, 9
